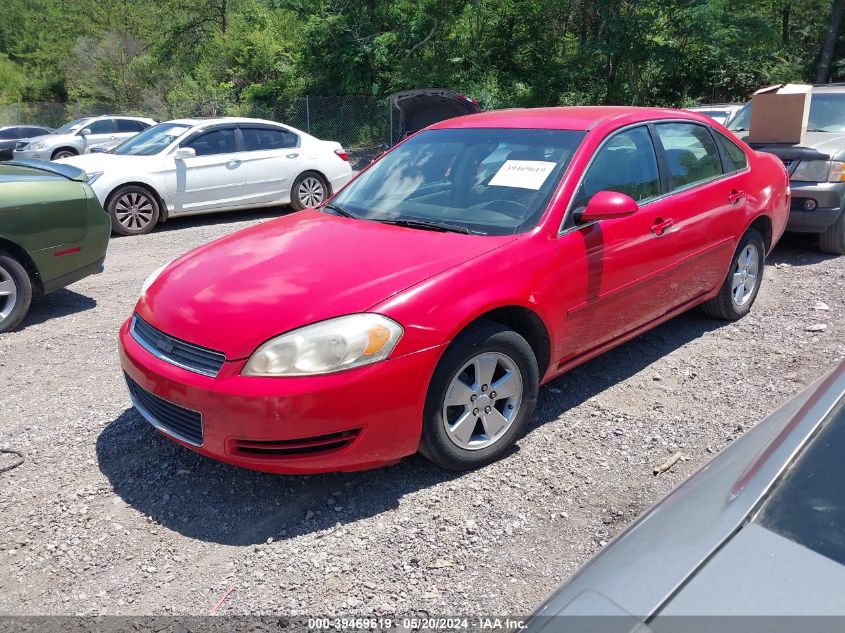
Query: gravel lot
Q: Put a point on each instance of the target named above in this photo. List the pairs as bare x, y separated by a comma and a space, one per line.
105, 516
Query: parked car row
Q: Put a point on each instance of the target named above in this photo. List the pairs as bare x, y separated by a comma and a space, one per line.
475, 261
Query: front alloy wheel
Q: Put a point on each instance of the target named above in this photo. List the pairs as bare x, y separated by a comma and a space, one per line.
133, 211
480, 398
482, 401
15, 292
309, 190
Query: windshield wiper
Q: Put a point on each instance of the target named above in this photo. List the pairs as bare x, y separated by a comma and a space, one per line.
427, 225
341, 211
816, 129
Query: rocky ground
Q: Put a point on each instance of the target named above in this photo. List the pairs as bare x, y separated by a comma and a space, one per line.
106, 516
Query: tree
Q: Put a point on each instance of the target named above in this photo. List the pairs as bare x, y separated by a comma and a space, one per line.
830, 41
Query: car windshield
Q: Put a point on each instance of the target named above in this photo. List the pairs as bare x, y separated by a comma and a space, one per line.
827, 114
152, 140
807, 506
73, 126
488, 181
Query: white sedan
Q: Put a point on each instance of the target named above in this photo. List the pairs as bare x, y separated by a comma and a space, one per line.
190, 166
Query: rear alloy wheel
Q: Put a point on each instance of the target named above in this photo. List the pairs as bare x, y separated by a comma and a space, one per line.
833, 239
133, 210
480, 398
740, 288
308, 190
15, 292
63, 153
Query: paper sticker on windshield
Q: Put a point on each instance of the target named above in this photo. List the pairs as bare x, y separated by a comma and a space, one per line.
524, 174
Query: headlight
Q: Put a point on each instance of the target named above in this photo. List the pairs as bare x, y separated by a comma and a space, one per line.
94, 176
819, 171
325, 347
837, 171
38, 145
151, 278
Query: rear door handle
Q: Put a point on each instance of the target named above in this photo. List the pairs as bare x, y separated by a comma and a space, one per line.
233, 163
661, 227
735, 196
294, 155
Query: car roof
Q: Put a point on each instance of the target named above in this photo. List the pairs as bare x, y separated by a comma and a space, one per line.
829, 88
192, 121
564, 118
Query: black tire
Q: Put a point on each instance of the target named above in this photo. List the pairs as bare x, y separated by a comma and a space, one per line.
436, 443
723, 305
833, 239
64, 152
134, 210
12, 270
300, 200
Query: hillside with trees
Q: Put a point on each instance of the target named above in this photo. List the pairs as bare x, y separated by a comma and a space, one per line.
137, 53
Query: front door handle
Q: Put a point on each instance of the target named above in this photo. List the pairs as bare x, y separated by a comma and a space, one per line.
735, 196
233, 163
661, 227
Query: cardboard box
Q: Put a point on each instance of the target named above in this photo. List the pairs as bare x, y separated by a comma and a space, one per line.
779, 114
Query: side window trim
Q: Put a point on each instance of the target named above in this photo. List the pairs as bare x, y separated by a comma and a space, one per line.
664, 175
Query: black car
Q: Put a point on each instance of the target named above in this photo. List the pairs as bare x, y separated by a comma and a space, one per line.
11, 134
427, 106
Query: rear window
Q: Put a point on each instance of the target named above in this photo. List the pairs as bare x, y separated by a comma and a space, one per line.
808, 506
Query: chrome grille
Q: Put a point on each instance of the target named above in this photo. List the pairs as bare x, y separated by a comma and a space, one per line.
174, 420
197, 359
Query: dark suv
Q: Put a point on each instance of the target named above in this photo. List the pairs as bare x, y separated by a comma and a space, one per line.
816, 167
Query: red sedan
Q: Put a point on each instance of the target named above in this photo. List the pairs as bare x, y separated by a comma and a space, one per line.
421, 308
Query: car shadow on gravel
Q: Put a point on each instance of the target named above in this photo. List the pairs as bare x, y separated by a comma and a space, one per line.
60, 303
215, 502
211, 501
619, 364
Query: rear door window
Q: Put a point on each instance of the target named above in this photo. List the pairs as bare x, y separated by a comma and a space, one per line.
690, 152
265, 138
9, 133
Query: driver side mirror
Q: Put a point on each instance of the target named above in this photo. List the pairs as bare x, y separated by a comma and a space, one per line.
184, 152
85, 132
606, 205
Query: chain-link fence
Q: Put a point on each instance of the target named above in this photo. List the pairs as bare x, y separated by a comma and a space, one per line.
352, 120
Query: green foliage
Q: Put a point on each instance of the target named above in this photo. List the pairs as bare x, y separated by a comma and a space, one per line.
212, 56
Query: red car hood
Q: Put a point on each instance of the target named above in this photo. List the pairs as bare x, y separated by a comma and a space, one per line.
235, 293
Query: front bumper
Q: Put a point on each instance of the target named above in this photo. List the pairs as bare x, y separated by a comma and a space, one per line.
27, 154
377, 408
828, 196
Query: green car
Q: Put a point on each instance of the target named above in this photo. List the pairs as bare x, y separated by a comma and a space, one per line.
53, 232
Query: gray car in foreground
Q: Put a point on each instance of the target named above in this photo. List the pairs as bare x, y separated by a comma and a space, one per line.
758, 532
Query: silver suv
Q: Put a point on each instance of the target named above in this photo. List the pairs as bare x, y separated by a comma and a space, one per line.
80, 136
816, 167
